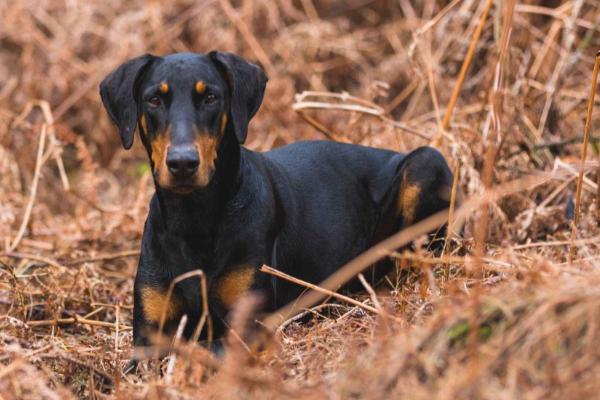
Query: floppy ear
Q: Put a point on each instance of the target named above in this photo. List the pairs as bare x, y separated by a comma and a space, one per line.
246, 87
117, 92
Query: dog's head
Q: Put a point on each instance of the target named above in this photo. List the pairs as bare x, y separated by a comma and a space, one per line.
184, 105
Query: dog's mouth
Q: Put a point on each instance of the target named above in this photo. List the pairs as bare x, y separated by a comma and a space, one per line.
183, 189
187, 185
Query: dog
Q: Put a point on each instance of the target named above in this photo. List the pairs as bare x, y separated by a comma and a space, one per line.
306, 208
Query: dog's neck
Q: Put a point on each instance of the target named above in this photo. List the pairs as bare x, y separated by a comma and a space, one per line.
206, 205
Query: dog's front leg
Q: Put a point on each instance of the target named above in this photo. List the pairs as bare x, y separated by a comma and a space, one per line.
152, 304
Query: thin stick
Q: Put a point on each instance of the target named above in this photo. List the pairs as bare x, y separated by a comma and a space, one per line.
595, 239
248, 37
105, 257
173, 359
203, 318
33, 257
205, 315
76, 319
283, 275
427, 60
361, 106
117, 355
341, 107
445, 260
54, 147
310, 10
433, 21
33, 191
322, 128
466, 63
598, 195
314, 310
372, 293
54, 142
449, 226
102, 374
568, 38
205, 312
586, 140
491, 143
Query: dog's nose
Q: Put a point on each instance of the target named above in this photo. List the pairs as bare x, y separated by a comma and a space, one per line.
182, 162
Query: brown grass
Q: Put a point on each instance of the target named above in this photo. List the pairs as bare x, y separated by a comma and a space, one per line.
505, 316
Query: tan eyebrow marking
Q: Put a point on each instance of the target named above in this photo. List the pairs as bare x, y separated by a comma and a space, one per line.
164, 87
200, 87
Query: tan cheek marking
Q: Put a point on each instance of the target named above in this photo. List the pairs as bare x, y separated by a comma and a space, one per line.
160, 144
154, 303
144, 124
164, 87
207, 148
233, 285
223, 122
408, 200
200, 87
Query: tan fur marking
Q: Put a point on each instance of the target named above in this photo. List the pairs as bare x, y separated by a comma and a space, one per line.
200, 87
207, 145
144, 124
160, 145
154, 303
234, 284
164, 87
408, 200
223, 122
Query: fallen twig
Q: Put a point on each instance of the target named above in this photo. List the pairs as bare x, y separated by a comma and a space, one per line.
283, 275
33, 191
104, 257
79, 320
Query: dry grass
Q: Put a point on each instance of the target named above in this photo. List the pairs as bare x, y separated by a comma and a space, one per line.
507, 315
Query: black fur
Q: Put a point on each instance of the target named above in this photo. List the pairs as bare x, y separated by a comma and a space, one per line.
305, 209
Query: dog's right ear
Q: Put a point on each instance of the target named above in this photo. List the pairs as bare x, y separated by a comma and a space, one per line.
247, 85
118, 95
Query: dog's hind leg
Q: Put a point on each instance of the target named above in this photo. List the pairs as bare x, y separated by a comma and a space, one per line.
424, 189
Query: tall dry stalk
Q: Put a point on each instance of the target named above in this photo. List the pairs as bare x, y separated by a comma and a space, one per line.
584, 147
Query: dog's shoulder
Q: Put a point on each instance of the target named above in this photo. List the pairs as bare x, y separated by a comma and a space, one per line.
327, 153
332, 166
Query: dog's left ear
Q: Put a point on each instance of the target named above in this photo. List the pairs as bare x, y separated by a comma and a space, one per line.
246, 87
117, 92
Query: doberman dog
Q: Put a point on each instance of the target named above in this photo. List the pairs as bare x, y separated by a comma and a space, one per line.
306, 208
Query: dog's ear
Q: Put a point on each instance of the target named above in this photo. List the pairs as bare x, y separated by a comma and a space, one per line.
118, 95
246, 87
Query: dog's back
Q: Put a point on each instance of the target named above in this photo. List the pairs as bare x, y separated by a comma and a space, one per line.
334, 199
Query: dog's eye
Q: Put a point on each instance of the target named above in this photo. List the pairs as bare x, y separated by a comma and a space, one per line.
210, 99
154, 101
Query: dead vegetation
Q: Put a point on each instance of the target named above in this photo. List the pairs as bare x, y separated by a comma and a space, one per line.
505, 313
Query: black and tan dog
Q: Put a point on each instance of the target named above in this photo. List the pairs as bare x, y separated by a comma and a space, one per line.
305, 209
